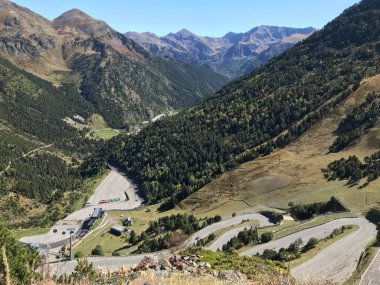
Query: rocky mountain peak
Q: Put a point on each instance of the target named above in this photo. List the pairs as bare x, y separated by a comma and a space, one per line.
82, 22
182, 35
232, 55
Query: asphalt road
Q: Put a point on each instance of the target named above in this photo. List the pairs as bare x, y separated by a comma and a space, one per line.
205, 232
372, 275
227, 236
336, 262
115, 263
106, 264
115, 183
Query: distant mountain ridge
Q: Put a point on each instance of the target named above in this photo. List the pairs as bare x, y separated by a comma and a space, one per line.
232, 55
122, 81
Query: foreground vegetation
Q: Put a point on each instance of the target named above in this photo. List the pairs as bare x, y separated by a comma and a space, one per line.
17, 262
253, 267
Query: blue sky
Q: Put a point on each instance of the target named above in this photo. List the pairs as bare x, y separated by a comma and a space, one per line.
203, 17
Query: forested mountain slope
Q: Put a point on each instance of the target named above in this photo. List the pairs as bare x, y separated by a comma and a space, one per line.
123, 82
293, 173
31, 120
257, 113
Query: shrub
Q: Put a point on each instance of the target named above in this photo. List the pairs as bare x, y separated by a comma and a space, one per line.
266, 237
78, 254
310, 244
98, 250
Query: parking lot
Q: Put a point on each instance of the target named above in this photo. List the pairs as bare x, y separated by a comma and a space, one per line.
115, 185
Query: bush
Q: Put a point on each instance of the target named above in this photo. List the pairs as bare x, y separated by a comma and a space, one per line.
98, 250
78, 254
310, 244
273, 217
269, 254
210, 238
266, 237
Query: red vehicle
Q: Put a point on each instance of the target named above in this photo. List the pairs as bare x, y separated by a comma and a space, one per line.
103, 201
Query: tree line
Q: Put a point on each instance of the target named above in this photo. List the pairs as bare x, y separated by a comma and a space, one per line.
353, 169
169, 231
307, 211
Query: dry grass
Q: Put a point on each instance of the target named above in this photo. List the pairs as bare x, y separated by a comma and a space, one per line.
294, 173
175, 279
185, 279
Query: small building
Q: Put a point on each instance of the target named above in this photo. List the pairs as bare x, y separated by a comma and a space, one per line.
98, 212
116, 230
127, 222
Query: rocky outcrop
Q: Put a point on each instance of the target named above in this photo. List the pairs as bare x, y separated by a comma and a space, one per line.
189, 265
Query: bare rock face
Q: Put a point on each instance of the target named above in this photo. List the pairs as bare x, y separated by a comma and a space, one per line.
232, 276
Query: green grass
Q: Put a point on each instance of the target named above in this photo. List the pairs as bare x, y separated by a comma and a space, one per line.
296, 226
106, 134
99, 129
142, 216
254, 267
321, 245
288, 227
98, 222
29, 232
219, 233
110, 242
104, 238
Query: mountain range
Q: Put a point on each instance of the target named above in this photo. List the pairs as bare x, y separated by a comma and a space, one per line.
123, 82
232, 55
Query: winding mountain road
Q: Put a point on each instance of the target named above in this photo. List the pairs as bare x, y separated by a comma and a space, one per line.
115, 263
372, 274
226, 237
203, 233
336, 262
